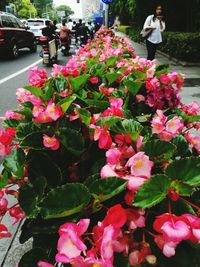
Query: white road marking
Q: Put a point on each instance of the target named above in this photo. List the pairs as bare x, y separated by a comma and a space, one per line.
20, 71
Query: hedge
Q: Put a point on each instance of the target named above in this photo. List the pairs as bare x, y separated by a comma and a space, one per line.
181, 45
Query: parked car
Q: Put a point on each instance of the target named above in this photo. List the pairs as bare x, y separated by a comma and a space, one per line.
36, 26
14, 35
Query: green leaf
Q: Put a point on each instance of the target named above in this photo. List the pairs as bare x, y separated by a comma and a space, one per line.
97, 103
24, 129
66, 103
110, 121
182, 188
48, 92
104, 189
120, 260
4, 176
181, 144
65, 200
14, 162
33, 141
194, 118
31, 258
152, 192
41, 165
13, 123
85, 115
187, 170
130, 127
60, 84
111, 61
27, 112
72, 140
133, 86
112, 77
78, 82
159, 150
34, 90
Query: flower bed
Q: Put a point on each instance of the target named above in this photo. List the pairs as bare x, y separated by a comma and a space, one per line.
106, 164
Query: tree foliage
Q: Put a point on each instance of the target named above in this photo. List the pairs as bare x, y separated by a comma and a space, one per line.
68, 11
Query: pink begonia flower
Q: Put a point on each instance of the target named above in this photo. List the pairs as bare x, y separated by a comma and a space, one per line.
6, 138
70, 246
158, 122
13, 115
115, 216
56, 70
168, 247
194, 140
3, 206
94, 80
24, 95
37, 110
139, 98
174, 126
107, 244
135, 258
139, 143
135, 218
194, 223
107, 171
113, 156
105, 140
97, 131
176, 231
17, 213
134, 183
192, 109
115, 108
37, 77
51, 142
140, 165
80, 228
165, 79
45, 264
53, 111
4, 231
166, 136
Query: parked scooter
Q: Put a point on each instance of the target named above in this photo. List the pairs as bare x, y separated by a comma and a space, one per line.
49, 50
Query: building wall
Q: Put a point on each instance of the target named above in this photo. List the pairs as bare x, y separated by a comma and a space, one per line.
90, 7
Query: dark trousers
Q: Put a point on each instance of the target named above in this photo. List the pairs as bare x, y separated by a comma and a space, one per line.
151, 50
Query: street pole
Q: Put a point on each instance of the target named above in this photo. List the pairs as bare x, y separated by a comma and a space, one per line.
106, 16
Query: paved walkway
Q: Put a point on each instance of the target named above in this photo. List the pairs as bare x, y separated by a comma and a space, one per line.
191, 89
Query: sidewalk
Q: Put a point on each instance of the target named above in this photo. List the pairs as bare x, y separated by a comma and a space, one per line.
191, 89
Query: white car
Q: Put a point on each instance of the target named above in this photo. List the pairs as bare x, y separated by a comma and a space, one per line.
36, 26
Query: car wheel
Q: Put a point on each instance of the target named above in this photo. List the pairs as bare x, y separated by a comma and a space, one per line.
33, 48
14, 51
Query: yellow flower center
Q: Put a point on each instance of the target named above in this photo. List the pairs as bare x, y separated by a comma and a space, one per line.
52, 110
96, 265
171, 123
70, 243
138, 164
194, 142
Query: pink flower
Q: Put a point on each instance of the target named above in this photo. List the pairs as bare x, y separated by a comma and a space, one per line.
140, 165
13, 115
4, 231
105, 140
139, 98
164, 78
3, 206
168, 247
113, 156
194, 140
94, 80
135, 218
53, 112
194, 223
107, 171
116, 216
70, 245
192, 109
107, 243
44, 264
158, 122
115, 108
37, 77
174, 126
51, 142
134, 183
17, 213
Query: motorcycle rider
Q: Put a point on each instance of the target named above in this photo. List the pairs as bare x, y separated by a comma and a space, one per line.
84, 33
65, 34
48, 30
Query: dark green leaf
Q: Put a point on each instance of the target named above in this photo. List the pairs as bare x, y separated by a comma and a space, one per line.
14, 162
194, 118
72, 140
31, 258
181, 144
152, 192
64, 201
34, 90
97, 103
85, 115
24, 129
159, 150
79, 82
111, 61
43, 166
104, 189
182, 188
27, 112
4, 176
13, 123
110, 121
48, 92
187, 170
112, 77
33, 141
133, 86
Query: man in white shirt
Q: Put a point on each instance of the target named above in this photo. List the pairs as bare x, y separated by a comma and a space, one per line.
157, 24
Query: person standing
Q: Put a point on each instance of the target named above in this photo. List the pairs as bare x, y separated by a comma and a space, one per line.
156, 23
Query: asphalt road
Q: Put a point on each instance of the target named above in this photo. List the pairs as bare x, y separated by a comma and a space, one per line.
13, 74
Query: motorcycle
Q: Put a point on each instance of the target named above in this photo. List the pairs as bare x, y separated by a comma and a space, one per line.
65, 45
49, 50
